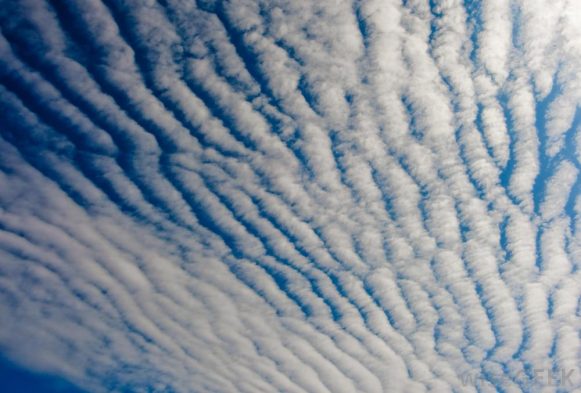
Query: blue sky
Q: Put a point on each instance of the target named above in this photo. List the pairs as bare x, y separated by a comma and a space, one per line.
16, 379
314, 196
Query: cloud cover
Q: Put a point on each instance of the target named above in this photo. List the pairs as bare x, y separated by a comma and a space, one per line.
248, 196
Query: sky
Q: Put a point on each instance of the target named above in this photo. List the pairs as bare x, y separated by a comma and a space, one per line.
290, 196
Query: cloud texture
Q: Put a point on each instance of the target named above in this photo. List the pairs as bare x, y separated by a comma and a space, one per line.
281, 196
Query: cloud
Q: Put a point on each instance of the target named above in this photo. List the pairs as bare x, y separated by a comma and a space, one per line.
249, 196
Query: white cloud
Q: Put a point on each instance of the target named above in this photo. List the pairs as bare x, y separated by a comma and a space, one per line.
259, 196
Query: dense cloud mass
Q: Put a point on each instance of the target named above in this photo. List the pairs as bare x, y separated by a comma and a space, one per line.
292, 196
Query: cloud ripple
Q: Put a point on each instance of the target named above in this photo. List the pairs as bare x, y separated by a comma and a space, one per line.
248, 196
